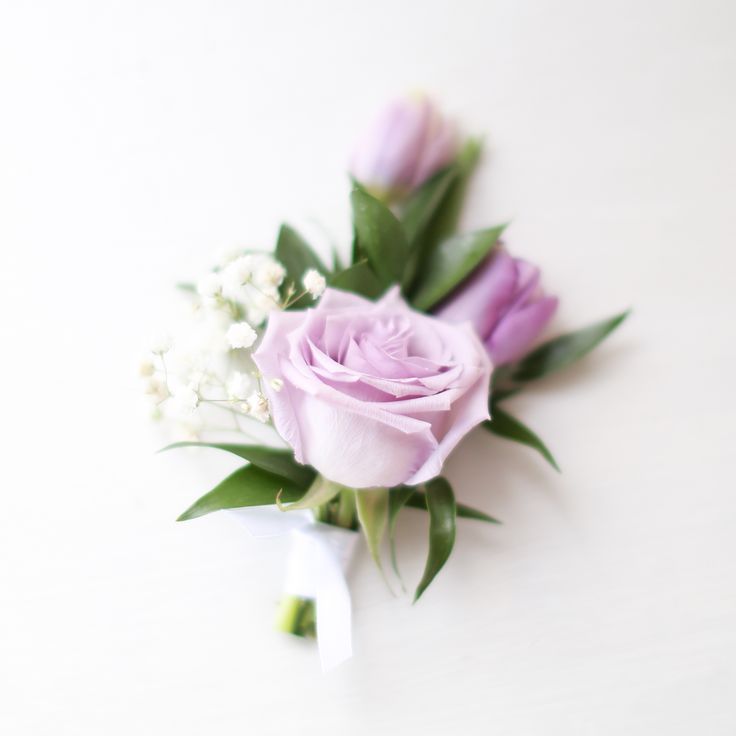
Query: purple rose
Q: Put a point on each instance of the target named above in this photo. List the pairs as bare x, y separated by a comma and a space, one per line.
407, 143
505, 303
372, 393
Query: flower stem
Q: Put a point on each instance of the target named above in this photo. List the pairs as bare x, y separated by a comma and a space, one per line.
297, 616
345, 514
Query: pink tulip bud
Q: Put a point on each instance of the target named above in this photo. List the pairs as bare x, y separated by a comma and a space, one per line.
407, 143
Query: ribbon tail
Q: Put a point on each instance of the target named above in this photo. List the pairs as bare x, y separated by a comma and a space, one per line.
334, 616
319, 556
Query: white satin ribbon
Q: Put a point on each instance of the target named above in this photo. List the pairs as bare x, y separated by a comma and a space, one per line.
318, 560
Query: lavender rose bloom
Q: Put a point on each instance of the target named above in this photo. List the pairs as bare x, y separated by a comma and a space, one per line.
407, 143
373, 393
506, 305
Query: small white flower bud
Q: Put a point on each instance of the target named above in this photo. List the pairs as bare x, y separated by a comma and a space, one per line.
270, 274
258, 406
146, 369
238, 273
314, 282
241, 335
276, 384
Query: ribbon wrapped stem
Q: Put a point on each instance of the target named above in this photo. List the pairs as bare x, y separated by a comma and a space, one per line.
316, 600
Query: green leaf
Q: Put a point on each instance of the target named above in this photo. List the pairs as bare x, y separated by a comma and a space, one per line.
423, 205
442, 512
372, 505
320, 492
187, 287
274, 460
419, 213
397, 498
501, 394
562, 351
248, 486
359, 279
381, 237
293, 252
432, 213
452, 262
356, 255
506, 426
446, 219
336, 260
468, 512
448, 208
418, 500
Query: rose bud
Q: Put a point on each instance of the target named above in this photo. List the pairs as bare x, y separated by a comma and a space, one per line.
407, 143
505, 303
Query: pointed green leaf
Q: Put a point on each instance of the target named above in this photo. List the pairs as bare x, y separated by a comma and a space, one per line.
425, 202
418, 500
417, 216
468, 512
442, 512
564, 350
504, 425
320, 492
359, 279
445, 203
248, 486
381, 237
278, 461
432, 213
446, 218
452, 262
187, 287
372, 505
397, 498
294, 253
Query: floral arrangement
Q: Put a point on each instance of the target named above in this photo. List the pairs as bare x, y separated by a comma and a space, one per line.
348, 385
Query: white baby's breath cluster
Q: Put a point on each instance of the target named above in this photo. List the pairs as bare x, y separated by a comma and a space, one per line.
314, 282
248, 284
203, 376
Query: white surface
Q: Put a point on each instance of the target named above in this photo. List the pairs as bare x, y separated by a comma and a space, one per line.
135, 138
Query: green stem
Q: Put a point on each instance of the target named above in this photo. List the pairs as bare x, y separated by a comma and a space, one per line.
297, 616
345, 515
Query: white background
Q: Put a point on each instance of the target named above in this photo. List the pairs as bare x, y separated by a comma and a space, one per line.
138, 138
